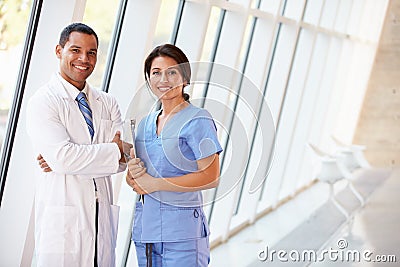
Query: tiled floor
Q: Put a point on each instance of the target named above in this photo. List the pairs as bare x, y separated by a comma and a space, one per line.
311, 222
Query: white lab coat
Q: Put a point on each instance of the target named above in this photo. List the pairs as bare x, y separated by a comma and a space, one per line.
65, 198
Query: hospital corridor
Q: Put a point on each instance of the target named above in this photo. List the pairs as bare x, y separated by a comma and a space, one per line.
297, 133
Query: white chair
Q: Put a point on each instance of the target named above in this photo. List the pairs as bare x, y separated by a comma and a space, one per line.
333, 170
353, 155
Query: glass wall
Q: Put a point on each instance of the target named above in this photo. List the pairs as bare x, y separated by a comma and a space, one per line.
276, 75
101, 16
14, 17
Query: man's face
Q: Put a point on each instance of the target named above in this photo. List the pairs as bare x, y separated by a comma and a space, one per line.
77, 58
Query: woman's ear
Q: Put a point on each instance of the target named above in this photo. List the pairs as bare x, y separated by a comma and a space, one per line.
185, 83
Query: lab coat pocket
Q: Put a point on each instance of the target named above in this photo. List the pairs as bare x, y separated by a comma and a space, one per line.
137, 224
105, 131
59, 231
114, 224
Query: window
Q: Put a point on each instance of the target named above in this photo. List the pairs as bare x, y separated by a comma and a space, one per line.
14, 17
304, 74
100, 15
165, 22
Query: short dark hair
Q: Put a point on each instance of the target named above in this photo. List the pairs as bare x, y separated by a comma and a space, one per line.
174, 52
76, 27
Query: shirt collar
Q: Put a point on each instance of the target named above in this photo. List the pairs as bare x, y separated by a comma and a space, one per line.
72, 90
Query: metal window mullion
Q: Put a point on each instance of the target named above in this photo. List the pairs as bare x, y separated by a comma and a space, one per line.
283, 8
290, 72
178, 20
213, 56
278, 123
234, 110
256, 125
301, 99
258, 113
19, 92
207, 84
267, 81
112, 53
314, 41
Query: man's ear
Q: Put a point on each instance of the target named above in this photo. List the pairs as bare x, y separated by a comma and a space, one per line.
58, 51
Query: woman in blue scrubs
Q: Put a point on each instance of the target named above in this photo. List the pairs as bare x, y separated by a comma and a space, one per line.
179, 148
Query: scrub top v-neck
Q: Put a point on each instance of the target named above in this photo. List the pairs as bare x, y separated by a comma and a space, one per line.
188, 136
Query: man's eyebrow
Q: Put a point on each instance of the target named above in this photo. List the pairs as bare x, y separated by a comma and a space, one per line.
77, 46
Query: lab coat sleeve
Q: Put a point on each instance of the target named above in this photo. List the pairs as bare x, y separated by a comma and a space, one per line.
50, 138
117, 124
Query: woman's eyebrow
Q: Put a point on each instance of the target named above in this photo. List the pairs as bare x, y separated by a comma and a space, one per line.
169, 68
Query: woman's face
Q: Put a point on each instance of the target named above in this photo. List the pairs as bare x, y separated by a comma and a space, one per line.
166, 81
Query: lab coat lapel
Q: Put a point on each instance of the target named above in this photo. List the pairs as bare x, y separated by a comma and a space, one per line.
94, 103
57, 87
97, 106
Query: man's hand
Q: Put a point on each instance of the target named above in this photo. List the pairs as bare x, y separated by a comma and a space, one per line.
124, 147
43, 164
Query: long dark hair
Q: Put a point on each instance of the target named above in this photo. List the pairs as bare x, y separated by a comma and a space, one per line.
172, 51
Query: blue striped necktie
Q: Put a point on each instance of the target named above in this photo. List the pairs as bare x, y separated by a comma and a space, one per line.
86, 111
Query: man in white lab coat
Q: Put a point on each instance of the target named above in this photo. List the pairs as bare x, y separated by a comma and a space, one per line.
75, 219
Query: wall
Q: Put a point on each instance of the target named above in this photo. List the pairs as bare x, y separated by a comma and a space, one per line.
379, 122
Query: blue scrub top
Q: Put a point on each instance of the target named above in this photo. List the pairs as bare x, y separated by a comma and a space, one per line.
188, 136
